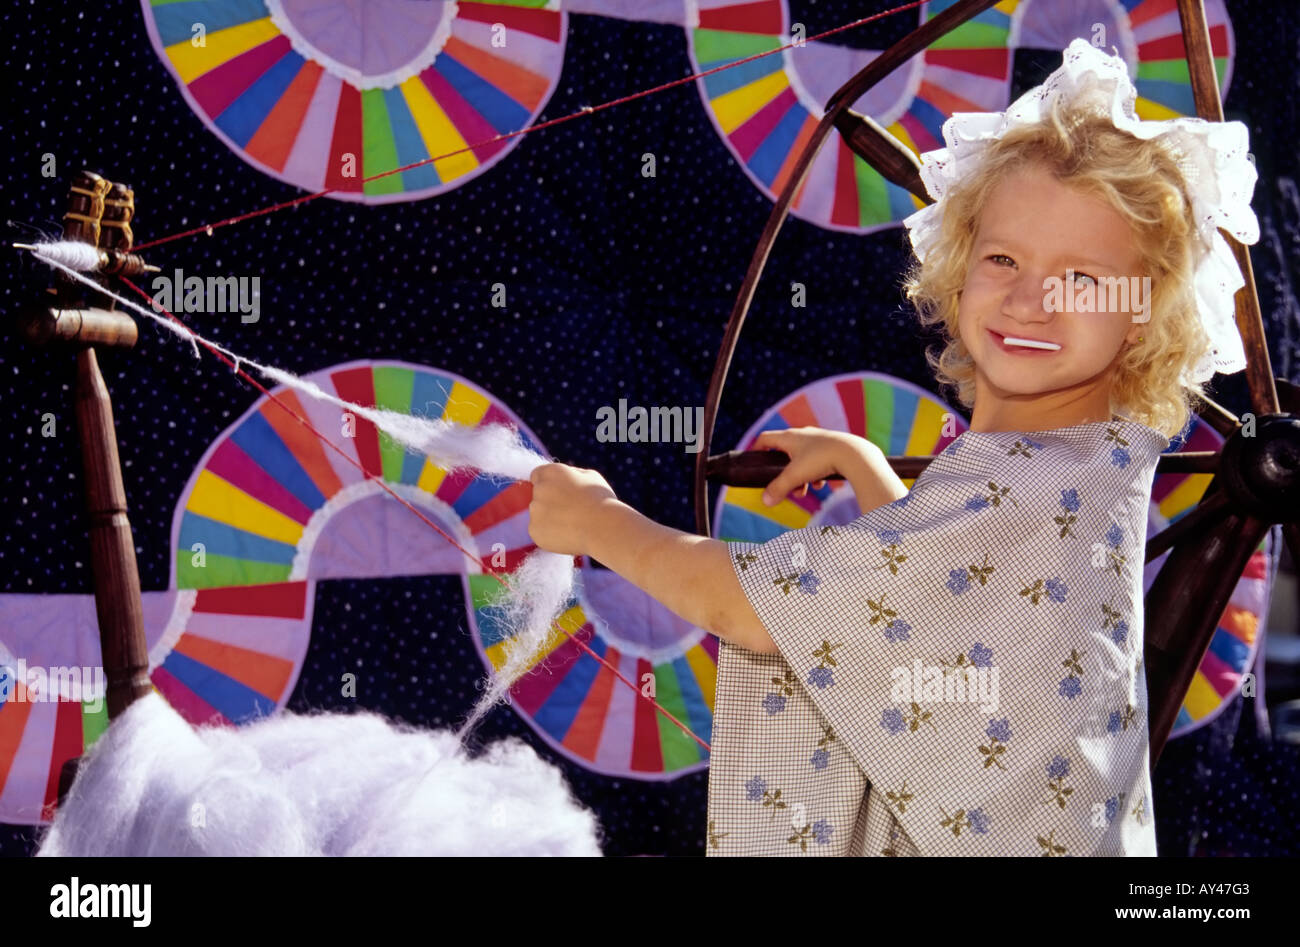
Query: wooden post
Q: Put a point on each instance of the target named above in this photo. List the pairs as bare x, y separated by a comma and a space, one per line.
112, 548
99, 213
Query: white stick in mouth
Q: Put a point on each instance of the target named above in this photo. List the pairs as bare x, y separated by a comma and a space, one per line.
1030, 343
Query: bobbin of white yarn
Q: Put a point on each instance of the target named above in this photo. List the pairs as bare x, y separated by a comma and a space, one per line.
73, 254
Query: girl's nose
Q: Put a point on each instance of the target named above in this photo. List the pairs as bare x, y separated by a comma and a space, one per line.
1026, 299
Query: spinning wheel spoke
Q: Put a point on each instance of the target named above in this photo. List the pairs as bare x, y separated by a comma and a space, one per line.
1217, 416
1206, 515
1182, 624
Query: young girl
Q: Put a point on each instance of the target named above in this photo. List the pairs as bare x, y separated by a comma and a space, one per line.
959, 670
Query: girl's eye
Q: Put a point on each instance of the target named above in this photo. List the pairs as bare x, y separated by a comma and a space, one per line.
1084, 276
999, 258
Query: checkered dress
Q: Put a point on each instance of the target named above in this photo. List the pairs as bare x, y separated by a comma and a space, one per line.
960, 671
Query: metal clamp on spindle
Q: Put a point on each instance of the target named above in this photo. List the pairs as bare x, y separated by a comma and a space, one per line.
99, 214
118, 263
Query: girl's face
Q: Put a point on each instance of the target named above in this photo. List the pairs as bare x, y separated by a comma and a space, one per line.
1032, 231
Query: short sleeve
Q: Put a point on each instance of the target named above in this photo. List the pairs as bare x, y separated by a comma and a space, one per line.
975, 644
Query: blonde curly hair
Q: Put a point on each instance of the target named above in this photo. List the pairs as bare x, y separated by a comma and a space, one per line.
1140, 179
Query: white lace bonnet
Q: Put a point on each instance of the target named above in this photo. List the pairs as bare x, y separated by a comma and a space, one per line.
1211, 155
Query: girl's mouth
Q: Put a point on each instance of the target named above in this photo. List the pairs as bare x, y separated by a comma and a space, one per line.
1016, 345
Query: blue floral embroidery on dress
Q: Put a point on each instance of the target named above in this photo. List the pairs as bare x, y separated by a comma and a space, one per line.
1053, 588
890, 540
785, 686
805, 581
1118, 456
821, 674
1117, 626
1112, 807
1120, 632
1071, 686
998, 732
823, 830
819, 759
756, 790
1120, 719
1069, 503
1057, 770
892, 720
959, 580
1114, 536
976, 503
974, 819
977, 656
897, 630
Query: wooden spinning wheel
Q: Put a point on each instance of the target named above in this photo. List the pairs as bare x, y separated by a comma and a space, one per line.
1256, 474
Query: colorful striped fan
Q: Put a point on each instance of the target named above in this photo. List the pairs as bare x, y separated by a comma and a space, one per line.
583, 711
272, 509
325, 93
1147, 34
895, 415
765, 110
275, 510
48, 641
1240, 630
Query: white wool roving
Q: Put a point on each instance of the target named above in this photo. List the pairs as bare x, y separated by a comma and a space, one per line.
539, 591
324, 784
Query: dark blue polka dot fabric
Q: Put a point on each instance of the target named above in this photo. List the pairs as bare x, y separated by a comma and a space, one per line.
618, 286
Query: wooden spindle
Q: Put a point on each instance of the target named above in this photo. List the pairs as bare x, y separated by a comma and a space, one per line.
99, 213
116, 575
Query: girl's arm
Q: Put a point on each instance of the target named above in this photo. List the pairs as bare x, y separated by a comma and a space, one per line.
574, 512
873, 481
815, 453
690, 575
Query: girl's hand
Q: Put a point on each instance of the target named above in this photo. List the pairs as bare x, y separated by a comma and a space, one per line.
815, 453
562, 510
